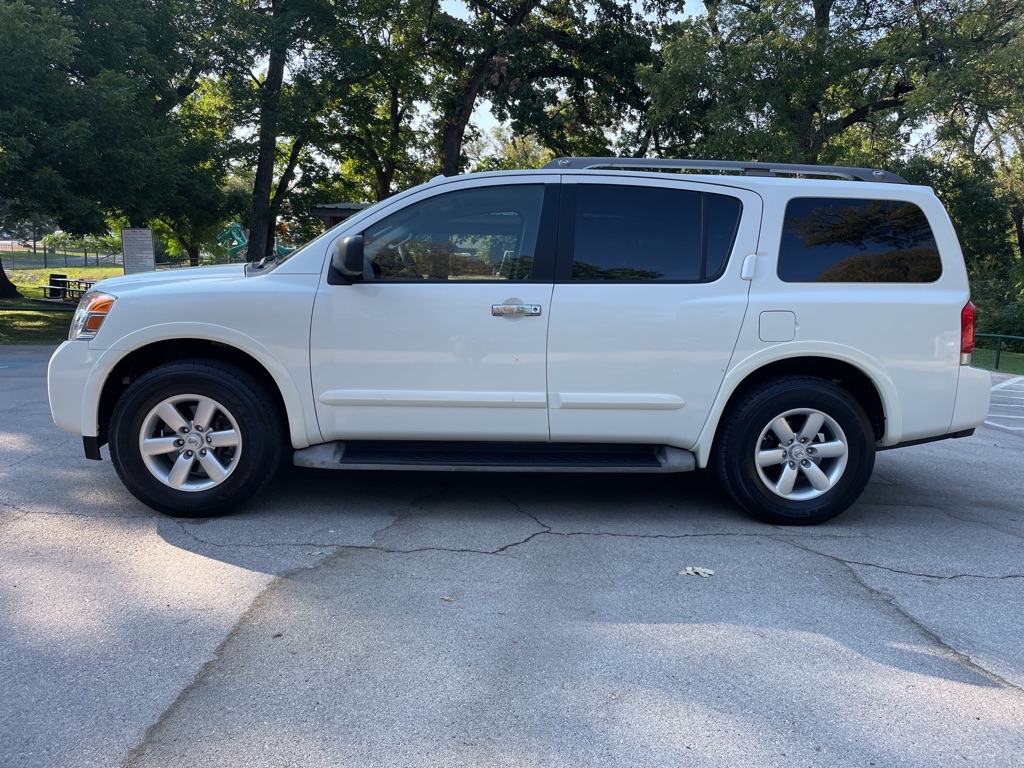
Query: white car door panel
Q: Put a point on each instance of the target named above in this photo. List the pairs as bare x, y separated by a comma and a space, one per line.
443, 341
642, 334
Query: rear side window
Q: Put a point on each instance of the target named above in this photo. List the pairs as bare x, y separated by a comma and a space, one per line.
838, 240
627, 233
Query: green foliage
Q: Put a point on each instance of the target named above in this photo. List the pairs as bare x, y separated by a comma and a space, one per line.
501, 150
816, 82
188, 115
1005, 318
976, 205
108, 243
375, 130
562, 71
85, 92
203, 198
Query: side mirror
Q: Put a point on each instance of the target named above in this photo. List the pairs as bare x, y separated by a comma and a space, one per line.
347, 259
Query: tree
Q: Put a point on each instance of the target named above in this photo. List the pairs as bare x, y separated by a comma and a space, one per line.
88, 100
500, 149
36, 46
372, 129
88, 93
970, 191
563, 71
201, 197
789, 80
980, 105
577, 88
275, 59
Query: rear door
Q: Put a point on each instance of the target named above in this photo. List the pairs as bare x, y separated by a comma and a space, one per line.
647, 306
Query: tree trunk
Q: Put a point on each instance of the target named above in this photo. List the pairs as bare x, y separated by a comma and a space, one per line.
453, 134
457, 119
1017, 214
7, 289
261, 230
287, 176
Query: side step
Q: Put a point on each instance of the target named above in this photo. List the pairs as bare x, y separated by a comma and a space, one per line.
495, 457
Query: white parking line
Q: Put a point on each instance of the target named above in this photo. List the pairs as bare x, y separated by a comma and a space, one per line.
1008, 383
1000, 393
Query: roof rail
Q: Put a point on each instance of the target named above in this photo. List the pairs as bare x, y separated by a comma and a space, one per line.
748, 169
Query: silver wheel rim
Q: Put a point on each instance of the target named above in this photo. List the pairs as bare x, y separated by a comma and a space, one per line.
190, 443
801, 454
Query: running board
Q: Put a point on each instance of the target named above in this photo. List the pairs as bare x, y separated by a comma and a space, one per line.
495, 457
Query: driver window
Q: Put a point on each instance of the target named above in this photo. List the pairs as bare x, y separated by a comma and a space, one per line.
484, 233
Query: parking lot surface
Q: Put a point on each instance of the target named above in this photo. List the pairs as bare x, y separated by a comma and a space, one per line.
1007, 409
422, 619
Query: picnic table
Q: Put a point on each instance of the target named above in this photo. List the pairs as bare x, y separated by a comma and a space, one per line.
62, 288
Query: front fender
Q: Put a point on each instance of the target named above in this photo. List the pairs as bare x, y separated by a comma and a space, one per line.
302, 425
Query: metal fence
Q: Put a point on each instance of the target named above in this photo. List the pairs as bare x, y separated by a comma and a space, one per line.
1001, 339
32, 254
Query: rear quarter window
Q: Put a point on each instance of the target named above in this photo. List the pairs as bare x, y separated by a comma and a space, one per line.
839, 240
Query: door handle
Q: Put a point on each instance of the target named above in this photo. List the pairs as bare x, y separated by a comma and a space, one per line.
515, 310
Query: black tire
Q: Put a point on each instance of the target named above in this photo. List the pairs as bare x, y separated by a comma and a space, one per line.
815, 474
203, 466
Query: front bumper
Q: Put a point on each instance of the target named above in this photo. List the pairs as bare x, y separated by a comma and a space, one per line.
68, 386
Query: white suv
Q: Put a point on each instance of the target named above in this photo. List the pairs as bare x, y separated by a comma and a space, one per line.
597, 315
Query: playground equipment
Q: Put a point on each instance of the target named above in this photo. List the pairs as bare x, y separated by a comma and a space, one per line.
237, 243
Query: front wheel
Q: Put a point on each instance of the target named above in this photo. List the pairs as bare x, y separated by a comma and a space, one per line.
795, 451
195, 438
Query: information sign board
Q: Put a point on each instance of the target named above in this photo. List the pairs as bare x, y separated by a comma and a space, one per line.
137, 247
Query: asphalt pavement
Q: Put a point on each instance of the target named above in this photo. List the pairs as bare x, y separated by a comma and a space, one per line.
1007, 409
429, 619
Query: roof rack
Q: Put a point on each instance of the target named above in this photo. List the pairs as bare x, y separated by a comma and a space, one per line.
748, 169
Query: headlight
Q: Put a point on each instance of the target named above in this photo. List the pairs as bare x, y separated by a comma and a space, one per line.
92, 311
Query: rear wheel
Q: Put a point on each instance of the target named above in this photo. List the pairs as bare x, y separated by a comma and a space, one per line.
795, 451
195, 438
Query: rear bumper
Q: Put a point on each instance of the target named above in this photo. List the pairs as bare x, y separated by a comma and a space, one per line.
973, 393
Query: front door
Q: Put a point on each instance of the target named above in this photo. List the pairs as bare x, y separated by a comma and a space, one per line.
445, 337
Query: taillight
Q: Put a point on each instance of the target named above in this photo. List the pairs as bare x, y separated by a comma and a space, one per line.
966, 333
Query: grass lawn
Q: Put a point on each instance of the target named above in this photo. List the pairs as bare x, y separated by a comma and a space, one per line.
27, 280
32, 327
1009, 362
24, 321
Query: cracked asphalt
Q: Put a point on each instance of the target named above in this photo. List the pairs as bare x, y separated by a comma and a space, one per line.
428, 619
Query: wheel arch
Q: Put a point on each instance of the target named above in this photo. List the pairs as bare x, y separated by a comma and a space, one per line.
141, 359
864, 381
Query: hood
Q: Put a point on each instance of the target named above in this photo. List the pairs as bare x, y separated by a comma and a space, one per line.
117, 285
